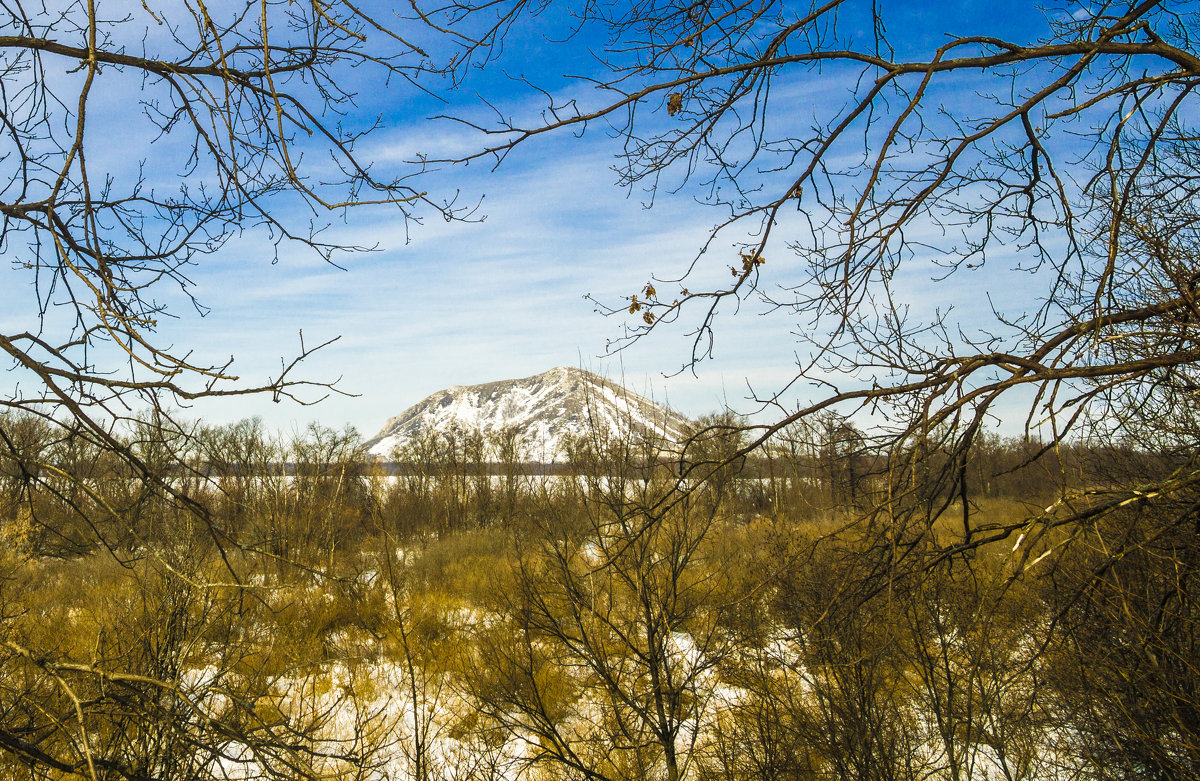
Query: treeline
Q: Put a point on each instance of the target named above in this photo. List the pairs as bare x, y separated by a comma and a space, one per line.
59, 488
802, 612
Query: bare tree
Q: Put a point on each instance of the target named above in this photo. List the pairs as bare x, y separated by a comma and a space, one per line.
604, 663
226, 107
1045, 153
223, 93
135, 142
1060, 163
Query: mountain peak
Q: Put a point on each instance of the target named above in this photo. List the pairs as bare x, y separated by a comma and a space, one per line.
543, 409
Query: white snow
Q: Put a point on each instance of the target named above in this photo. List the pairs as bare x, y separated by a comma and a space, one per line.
545, 409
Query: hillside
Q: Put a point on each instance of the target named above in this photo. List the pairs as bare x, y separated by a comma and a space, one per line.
545, 410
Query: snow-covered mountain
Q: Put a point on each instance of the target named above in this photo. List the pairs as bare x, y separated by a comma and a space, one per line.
544, 409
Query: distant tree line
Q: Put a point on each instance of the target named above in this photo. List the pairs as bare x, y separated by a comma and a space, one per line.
58, 486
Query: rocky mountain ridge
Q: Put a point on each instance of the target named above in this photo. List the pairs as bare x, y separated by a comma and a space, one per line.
544, 410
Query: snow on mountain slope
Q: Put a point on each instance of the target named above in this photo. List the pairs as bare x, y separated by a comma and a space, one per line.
544, 409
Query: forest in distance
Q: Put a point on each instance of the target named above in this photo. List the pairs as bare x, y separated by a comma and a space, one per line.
465, 619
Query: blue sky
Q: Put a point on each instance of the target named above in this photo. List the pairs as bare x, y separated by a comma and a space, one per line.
461, 303
467, 303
